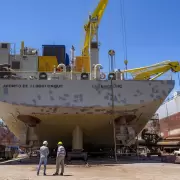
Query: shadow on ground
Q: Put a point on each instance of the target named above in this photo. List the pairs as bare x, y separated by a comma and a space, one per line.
90, 162
59, 175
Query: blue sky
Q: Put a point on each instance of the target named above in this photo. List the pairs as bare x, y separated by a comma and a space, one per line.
152, 27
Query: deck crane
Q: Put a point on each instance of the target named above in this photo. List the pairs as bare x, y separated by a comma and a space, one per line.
90, 50
154, 71
91, 28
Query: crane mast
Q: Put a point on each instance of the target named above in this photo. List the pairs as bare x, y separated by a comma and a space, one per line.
90, 50
91, 28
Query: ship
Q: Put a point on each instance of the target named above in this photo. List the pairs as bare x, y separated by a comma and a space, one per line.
169, 116
35, 109
46, 97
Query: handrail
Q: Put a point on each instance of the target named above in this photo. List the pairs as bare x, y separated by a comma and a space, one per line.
26, 74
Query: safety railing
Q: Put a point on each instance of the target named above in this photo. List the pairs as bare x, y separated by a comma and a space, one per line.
35, 75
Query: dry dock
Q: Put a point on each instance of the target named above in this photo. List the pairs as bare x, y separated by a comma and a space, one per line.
145, 170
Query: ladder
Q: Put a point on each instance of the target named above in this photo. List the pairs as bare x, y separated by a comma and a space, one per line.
116, 129
117, 142
120, 147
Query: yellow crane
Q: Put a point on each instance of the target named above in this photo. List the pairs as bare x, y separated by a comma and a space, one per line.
154, 71
143, 73
83, 62
92, 25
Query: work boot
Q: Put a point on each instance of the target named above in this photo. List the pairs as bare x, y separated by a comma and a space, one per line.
61, 174
55, 174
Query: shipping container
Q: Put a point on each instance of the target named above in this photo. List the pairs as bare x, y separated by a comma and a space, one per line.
82, 64
47, 63
55, 50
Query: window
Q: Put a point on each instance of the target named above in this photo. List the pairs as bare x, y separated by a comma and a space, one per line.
4, 45
94, 45
15, 64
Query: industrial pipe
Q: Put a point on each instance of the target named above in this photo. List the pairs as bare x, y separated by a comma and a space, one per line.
54, 71
62, 65
95, 69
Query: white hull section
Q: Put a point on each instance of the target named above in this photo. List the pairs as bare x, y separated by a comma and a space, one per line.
61, 105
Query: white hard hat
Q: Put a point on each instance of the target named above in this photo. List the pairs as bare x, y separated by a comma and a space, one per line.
45, 143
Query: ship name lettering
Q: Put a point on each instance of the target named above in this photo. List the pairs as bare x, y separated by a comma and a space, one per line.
33, 86
12, 85
25, 85
107, 86
117, 85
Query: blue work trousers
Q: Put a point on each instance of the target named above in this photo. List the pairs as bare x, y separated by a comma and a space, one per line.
42, 161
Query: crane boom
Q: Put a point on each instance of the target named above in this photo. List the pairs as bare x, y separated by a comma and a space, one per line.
90, 32
154, 71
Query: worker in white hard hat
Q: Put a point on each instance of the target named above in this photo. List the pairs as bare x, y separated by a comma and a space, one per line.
44, 152
61, 153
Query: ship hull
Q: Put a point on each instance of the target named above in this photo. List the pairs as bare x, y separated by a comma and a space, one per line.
50, 110
170, 126
169, 115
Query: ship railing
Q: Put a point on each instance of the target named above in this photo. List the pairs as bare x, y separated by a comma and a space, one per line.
32, 75
35, 75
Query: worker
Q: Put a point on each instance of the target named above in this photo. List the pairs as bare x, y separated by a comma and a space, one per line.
7, 152
44, 152
61, 153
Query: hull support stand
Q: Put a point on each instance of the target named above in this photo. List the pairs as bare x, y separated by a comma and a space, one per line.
77, 145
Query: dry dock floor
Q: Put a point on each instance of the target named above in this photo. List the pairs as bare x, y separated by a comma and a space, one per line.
145, 170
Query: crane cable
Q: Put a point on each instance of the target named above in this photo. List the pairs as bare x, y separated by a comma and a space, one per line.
123, 28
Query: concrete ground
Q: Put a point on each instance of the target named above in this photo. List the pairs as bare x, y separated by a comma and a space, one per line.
145, 170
